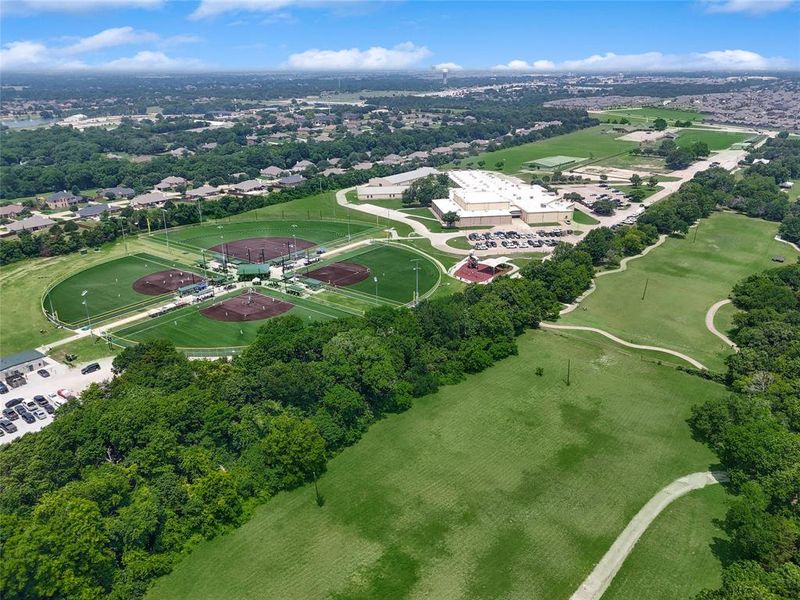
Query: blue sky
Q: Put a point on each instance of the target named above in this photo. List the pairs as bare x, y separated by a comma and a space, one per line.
556, 35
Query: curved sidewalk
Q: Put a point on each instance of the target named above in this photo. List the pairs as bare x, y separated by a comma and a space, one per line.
595, 585
613, 338
712, 312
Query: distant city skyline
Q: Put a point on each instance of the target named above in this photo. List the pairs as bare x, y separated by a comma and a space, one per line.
354, 35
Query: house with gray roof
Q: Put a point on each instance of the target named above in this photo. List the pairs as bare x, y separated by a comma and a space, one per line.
62, 199
34, 223
94, 211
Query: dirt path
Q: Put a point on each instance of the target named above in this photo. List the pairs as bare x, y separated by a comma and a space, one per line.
710, 322
695, 363
595, 585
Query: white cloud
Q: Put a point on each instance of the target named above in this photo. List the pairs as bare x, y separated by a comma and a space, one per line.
116, 36
450, 66
715, 60
521, 65
753, 7
402, 56
30, 55
73, 6
147, 60
212, 8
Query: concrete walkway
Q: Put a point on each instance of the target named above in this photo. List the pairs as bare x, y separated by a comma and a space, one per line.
595, 585
695, 363
783, 241
710, 323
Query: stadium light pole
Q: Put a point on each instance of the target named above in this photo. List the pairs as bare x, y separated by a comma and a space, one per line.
416, 280
376, 288
222, 239
166, 233
86, 306
124, 239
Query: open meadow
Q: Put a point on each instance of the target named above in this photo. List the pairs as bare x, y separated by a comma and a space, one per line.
684, 277
680, 554
591, 143
716, 140
648, 114
506, 485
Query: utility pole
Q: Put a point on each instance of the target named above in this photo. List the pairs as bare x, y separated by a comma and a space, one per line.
166, 233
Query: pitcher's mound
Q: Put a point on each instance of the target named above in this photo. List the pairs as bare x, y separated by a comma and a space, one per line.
247, 307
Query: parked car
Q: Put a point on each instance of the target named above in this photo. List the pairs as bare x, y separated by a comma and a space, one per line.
90, 368
40, 400
28, 418
21, 409
40, 414
7, 426
66, 393
13, 402
10, 413
43, 372
48, 408
3, 388
31, 405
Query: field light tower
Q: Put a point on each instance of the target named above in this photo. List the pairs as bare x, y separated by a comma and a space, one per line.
86, 305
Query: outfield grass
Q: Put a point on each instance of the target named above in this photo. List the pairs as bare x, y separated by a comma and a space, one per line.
684, 278
109, 288
650, 113
188, 328
680, 553
203, 237
592, 143
716, 140
23, 283
395, 272
507, 485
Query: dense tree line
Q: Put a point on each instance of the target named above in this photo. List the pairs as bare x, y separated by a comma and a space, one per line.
424, 191
133, 473
756, 434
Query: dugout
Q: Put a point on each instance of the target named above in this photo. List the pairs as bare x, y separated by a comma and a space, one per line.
248, 271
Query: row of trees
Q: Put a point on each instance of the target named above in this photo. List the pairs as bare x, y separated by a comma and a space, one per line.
756, 434
133, 473
424, 191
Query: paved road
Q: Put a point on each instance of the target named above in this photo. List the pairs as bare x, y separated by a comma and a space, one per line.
612, 337
595, 585
710, 322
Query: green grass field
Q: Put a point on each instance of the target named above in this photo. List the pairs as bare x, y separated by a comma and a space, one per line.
188, 328
684, 278
716, 140
581, 218
197, 237
395, 272
648, 191
592, 143
109, 288
635, 162
649, 113
460, 242
679, 554
504, 486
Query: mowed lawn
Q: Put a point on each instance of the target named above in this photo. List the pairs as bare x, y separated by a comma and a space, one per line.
680, 553
507, 485
188, 328
716, 140
395, 271
650, 113
197, 237
590, 143
109, 287
684, 278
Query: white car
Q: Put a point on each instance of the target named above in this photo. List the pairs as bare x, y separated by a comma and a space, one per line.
40, 414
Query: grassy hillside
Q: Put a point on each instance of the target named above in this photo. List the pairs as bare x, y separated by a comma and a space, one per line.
684, 277
506, 485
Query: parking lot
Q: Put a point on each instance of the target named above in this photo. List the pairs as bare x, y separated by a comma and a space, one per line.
528, 240
62, 383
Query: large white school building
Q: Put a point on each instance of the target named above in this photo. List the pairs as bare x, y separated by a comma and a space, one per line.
487, 198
